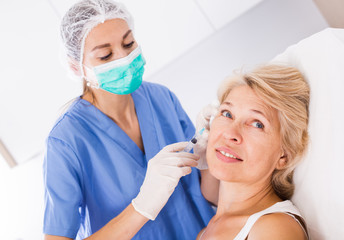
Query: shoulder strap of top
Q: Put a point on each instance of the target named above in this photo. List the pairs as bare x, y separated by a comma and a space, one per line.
286, 207
202, 233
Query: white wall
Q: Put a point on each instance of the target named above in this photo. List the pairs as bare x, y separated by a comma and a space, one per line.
33, 83
255, 37
21, 201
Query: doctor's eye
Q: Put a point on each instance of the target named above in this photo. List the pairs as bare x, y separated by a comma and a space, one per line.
226, 114
106, 57
129, 45
258, 124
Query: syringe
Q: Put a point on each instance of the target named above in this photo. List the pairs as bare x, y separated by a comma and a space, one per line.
193, 141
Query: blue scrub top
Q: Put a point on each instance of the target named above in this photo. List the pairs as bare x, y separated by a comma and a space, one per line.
92, 169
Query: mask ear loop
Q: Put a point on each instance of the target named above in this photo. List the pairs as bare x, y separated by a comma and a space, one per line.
90, 83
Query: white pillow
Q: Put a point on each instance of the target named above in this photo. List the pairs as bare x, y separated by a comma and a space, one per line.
319, 180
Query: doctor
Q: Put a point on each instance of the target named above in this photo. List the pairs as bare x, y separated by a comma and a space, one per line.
107, 167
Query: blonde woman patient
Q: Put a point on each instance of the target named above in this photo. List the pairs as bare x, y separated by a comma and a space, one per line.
256, 140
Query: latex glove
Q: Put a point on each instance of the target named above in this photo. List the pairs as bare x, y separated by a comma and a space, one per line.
203, 120
162, 176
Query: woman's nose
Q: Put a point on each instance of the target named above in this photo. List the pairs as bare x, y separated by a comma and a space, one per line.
121, 53
232, 133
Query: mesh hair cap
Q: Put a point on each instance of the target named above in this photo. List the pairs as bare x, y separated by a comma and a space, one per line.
82, 17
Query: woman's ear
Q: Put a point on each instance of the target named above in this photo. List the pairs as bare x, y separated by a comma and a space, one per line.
74, 66
282, 162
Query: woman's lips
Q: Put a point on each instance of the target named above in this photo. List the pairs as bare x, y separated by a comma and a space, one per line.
226, 155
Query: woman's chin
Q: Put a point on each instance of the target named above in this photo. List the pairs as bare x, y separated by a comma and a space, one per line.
220, 172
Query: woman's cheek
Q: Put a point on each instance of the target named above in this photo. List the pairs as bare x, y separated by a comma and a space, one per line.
211, 137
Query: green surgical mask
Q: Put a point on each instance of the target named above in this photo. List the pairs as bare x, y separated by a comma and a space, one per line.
122, 76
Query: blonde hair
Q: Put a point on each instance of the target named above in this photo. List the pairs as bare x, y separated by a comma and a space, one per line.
284, 89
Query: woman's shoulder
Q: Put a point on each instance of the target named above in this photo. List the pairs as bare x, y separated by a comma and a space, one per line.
150, 86
159, 94
226, 227
67, 121
155, 90
277, 225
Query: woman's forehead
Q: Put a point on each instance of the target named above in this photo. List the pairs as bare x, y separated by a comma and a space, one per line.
245, 97
114, 29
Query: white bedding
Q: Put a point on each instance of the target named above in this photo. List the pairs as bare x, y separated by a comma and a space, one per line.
319, 180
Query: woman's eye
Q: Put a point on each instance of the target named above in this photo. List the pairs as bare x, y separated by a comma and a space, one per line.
258, 125
106, 57
226, 114
129, 45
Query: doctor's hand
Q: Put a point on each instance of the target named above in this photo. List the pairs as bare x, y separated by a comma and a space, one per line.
163, 174
204, 119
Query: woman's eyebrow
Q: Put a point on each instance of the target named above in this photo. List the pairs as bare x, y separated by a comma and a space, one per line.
227, 103
261, 113
101, 46
108, 44
126, 34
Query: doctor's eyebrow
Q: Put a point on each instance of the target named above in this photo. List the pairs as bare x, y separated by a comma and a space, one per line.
126, 34
101, 46
108, 44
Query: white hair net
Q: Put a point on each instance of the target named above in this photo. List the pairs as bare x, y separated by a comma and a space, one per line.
82, 17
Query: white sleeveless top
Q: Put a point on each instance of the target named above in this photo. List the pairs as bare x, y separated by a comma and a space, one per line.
286, 207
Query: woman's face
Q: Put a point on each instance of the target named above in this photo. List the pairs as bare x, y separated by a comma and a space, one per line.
244, 142
108, 41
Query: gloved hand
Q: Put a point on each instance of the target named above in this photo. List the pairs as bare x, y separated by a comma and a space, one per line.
162, 176
203, 120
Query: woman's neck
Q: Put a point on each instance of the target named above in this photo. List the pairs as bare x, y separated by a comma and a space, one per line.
242, 199
120, 108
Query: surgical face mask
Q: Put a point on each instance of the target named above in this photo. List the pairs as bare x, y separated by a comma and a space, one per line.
121, 76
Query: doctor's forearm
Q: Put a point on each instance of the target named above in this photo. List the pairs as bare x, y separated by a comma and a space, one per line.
210, 187
124, 226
